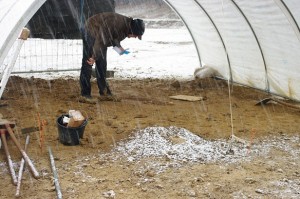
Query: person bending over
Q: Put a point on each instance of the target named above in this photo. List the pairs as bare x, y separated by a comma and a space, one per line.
101, 31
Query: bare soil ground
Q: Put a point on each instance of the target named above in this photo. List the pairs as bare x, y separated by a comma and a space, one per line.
93, 170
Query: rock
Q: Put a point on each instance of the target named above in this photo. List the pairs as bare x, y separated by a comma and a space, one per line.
259, 191
119, 131
191, 193
250, 181
196, 181
70, 189
144, 189
159, 186
50, 189
101, 181
109, 194
150, 173
67, 169
279, 170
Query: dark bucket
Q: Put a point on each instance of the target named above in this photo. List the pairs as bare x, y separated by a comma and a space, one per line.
68, 135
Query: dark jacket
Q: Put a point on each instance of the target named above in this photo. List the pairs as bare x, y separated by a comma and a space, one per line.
108, 29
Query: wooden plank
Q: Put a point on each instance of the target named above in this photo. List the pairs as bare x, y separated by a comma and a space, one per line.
187, 98
5, 121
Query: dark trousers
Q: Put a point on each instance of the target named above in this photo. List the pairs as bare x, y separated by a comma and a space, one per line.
86, 69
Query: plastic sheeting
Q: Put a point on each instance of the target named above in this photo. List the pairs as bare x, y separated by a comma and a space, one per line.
254, 43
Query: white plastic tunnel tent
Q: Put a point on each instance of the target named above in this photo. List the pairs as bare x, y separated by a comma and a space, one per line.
254, 43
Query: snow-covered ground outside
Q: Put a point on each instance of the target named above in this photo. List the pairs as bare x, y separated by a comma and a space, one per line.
162, 53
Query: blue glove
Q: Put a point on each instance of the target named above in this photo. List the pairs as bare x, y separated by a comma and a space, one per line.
126, 52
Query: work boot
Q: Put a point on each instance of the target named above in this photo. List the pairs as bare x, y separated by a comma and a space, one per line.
87, 99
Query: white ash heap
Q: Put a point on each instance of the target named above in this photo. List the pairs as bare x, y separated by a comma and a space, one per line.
179, 144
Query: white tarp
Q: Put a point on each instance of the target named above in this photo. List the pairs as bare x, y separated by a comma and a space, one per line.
254, 43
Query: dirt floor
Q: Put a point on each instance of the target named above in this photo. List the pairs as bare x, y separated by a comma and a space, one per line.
91, 170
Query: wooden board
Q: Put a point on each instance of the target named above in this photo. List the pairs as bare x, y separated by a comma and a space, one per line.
187, 98
4, 121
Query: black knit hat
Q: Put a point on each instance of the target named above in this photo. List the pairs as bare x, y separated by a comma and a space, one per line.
138, 27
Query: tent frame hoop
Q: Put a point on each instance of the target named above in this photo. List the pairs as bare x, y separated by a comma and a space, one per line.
281, 4
221, 38
258, 43
187, 27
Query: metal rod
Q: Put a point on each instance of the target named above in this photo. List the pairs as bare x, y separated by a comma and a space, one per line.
45, 71
57, 187
22, 165
9, 161
33, 170
285, 103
